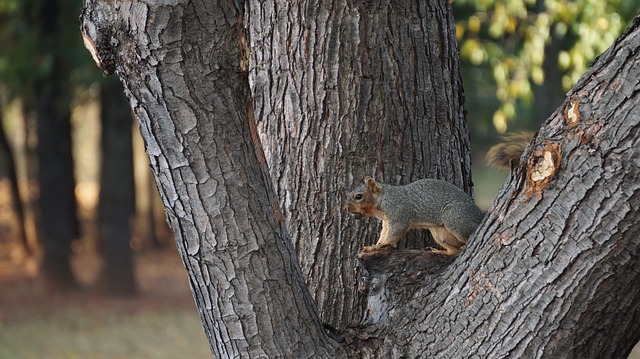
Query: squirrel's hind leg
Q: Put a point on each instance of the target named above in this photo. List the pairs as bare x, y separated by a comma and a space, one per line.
447, 240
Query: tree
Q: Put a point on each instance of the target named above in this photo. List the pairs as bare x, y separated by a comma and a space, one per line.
35, 65
116, 206
342, 91
8, 162
186, 69
56, 202
58, 222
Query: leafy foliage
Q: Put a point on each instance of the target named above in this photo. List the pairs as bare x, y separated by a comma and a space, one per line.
40, 37
512, 36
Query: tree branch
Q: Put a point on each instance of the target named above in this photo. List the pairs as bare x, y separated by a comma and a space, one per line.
183, 66
553, 269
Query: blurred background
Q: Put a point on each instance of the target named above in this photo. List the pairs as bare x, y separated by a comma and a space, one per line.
88, 267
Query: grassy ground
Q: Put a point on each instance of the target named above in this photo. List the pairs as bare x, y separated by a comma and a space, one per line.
161, 322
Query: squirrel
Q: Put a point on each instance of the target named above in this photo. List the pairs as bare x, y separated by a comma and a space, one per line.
507, 153
445, 210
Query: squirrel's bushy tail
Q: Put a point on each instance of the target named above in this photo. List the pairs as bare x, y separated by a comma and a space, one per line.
509, 150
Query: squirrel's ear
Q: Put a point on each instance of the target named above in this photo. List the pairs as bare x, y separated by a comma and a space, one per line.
372, 185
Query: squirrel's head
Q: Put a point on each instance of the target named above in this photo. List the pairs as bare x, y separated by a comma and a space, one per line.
363, 200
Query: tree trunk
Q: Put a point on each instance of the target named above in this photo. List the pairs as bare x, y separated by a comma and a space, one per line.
9, 164
343, 90
56, 202
186, 78
548, 273
116, 206
548, 96
150, 228
58, 221
553, 270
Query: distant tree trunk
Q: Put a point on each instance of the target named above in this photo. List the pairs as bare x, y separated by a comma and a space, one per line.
343, 90
161, 233
30, 122
8, 161
143, 230
57, 216
116, 206
58, 221
549, 95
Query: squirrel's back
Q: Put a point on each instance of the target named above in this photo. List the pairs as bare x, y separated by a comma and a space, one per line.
425, 199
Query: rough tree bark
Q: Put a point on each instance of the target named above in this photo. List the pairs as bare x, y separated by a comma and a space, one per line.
343, 90
553, 269
548, 273
184, 68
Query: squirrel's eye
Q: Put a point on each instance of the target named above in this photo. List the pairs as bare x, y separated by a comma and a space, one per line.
358, 196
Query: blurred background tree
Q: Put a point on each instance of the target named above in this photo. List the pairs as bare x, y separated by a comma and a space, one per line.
42, 56
46, 74
520, 57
